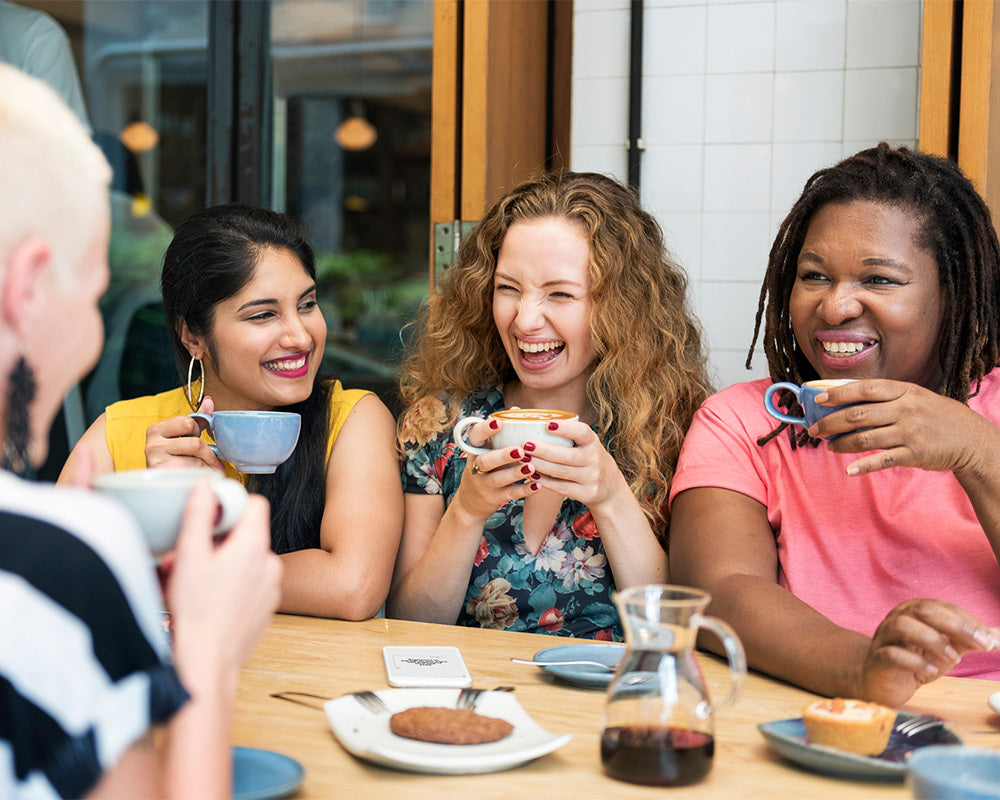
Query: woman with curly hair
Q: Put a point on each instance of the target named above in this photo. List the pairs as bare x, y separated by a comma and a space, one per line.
866, 565
563, 297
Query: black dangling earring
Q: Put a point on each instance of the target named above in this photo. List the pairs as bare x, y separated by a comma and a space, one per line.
17, 425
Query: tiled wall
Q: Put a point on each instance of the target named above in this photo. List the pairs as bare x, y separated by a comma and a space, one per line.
742, 101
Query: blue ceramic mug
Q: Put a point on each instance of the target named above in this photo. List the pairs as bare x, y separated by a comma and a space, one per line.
253, 441
806, 395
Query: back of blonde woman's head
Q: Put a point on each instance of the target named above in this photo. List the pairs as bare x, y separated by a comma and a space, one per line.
649, 374
53, 178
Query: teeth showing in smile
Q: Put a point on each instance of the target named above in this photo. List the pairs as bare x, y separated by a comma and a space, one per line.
845, 348
286, 365
538, 347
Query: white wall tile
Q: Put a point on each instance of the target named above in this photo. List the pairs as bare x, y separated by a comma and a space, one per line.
735, 246
808, 106
604, 159
729, 366
810, 34
673, 41
672, 178
739, 108
880, 103
601, 44
673, 109
741, 37
727, 312
670, 3
793, 163
737, 177
600, 112
682, 234
883, 33
852, 146
601, 5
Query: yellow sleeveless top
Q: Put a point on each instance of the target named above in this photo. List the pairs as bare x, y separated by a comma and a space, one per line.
126, 422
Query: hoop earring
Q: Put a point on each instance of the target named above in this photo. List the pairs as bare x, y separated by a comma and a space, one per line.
201, 383
17, 437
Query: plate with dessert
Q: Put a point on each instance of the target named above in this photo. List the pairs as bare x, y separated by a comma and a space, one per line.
423, 731
852, 739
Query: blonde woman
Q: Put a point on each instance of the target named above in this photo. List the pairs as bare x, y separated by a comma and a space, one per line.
563, 297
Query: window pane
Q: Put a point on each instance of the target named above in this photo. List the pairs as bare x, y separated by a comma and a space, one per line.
352, 100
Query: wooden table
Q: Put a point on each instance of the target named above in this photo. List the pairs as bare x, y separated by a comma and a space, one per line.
332, 657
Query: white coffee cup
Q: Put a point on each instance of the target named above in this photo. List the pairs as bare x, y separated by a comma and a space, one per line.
157, 498
518, 425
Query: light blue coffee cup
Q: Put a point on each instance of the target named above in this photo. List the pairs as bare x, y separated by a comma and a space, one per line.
806, 395
253, 441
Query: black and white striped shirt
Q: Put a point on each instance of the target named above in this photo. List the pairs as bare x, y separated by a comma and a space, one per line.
84, 661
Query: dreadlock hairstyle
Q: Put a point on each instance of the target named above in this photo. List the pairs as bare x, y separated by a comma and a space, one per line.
649, 374
212, 256
956, 229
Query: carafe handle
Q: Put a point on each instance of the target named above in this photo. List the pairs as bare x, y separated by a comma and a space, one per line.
734, 654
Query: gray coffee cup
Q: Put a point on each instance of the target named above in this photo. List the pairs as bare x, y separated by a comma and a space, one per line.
157, 498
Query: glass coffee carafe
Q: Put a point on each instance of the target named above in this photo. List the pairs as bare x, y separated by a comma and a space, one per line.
658, 726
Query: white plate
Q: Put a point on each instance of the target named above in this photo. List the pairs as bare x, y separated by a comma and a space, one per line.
994, 701
367, 735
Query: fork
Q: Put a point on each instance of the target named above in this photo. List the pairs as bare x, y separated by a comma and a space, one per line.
468, 697
919, 724
371, 701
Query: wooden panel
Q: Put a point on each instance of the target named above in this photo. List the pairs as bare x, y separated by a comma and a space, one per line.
561, 86
504, 94
936, 77
979, 114
445, 157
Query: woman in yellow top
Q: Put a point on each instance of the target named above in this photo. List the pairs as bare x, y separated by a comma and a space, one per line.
239, 289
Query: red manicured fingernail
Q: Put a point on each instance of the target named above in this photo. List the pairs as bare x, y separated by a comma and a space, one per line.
494, 424
534, 487
515, 453
526, 459
525, 469
553, 426
536, 476
529, 446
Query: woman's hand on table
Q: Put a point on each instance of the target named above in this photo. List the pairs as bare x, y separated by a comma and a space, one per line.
177, 442
908, 425
918, 641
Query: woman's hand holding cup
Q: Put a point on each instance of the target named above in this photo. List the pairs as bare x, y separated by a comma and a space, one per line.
504, 471
177, 442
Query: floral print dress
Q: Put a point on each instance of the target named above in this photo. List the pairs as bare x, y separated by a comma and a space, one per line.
564, 589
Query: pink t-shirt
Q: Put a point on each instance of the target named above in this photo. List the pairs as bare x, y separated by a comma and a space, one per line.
851, 547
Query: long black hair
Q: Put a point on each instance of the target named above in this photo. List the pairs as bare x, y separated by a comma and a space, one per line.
956, 229
213, 255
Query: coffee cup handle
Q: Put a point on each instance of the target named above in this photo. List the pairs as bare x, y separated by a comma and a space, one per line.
206, 418
460, 428
232, 499
774, 412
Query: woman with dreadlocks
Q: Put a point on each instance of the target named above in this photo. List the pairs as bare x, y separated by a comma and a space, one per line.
867, 565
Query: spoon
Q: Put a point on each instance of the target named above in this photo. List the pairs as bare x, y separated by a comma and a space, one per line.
598, 664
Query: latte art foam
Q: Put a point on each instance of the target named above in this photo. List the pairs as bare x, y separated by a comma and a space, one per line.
532, 414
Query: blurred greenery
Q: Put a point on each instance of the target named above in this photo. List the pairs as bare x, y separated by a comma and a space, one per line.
367, 296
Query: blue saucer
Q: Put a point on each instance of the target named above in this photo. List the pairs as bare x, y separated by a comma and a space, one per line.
264, 774
581, 674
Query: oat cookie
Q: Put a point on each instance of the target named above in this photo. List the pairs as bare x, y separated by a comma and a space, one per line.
448, 725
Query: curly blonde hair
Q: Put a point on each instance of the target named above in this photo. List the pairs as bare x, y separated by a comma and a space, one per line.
649, 374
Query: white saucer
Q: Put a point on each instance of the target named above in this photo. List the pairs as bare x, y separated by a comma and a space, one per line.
367, 735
